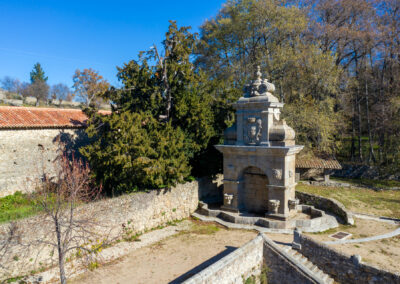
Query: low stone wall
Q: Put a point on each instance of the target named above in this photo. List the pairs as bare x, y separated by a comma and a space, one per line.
327, 204
136, 213
236, 267
343, 268
249, 260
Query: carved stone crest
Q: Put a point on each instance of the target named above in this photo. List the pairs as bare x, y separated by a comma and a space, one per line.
277, 174
253, 131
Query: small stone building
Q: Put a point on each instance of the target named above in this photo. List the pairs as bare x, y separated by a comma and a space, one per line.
29, 143
315, 168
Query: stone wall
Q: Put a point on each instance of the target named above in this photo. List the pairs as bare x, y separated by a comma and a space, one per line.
136, 213
249, 260
327, 204
236, 267
25, 154
343, 268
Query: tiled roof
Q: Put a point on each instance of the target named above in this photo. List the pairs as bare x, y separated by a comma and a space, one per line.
317, 163
35, 117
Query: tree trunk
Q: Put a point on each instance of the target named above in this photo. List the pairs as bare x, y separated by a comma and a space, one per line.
63, 279
358, 105
371, 149
360, 155
353, 133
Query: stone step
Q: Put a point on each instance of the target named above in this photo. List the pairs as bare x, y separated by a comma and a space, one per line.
307, 263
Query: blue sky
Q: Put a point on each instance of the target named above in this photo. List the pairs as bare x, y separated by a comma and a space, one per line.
66, 35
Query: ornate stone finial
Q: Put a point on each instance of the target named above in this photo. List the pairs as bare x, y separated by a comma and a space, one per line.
258, 73
259, 86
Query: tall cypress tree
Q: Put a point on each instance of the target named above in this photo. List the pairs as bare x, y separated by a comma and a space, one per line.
37, 74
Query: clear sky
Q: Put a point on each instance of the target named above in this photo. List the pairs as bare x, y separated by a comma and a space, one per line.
65, 35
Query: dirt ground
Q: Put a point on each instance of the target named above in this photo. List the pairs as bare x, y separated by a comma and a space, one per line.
177, 257
383, 253
173, 259
363, 228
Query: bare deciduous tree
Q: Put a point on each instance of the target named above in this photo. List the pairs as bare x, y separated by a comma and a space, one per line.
61, 92
71, 231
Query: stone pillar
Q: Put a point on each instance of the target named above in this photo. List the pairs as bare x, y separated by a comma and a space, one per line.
239, 127
326, 175
231, 193
278, 192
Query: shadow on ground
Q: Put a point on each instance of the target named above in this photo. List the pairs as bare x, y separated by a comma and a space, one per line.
203, 265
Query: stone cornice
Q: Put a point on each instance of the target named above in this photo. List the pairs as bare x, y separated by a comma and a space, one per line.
259, 150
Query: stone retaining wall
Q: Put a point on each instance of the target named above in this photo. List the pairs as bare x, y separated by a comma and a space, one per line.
327, 204
236, 267
343, 268
137, 212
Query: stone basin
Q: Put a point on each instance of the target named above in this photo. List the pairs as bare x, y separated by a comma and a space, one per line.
307, 218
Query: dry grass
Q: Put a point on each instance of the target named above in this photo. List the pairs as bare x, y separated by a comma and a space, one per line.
361, 200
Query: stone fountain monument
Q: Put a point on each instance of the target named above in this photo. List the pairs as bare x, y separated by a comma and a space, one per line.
259, 155
259, 168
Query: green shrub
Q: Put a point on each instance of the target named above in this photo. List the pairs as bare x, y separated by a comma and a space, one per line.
16, 206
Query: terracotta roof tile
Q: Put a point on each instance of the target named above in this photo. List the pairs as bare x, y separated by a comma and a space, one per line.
317, 163
33, 117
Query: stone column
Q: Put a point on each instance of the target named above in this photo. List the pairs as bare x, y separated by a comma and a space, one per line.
279, 192
231, 193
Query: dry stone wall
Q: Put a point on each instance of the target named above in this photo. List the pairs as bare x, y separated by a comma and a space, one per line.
343, 268
26, 154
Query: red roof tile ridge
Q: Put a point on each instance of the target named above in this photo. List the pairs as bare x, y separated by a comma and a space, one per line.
39, 108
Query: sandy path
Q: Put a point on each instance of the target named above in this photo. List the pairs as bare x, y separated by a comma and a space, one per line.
182, 254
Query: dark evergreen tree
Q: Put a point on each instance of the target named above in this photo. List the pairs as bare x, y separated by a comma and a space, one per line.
162, 119
133, 151
37, 74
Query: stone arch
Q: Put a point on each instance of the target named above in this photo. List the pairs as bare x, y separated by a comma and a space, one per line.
241, 170
253, 191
